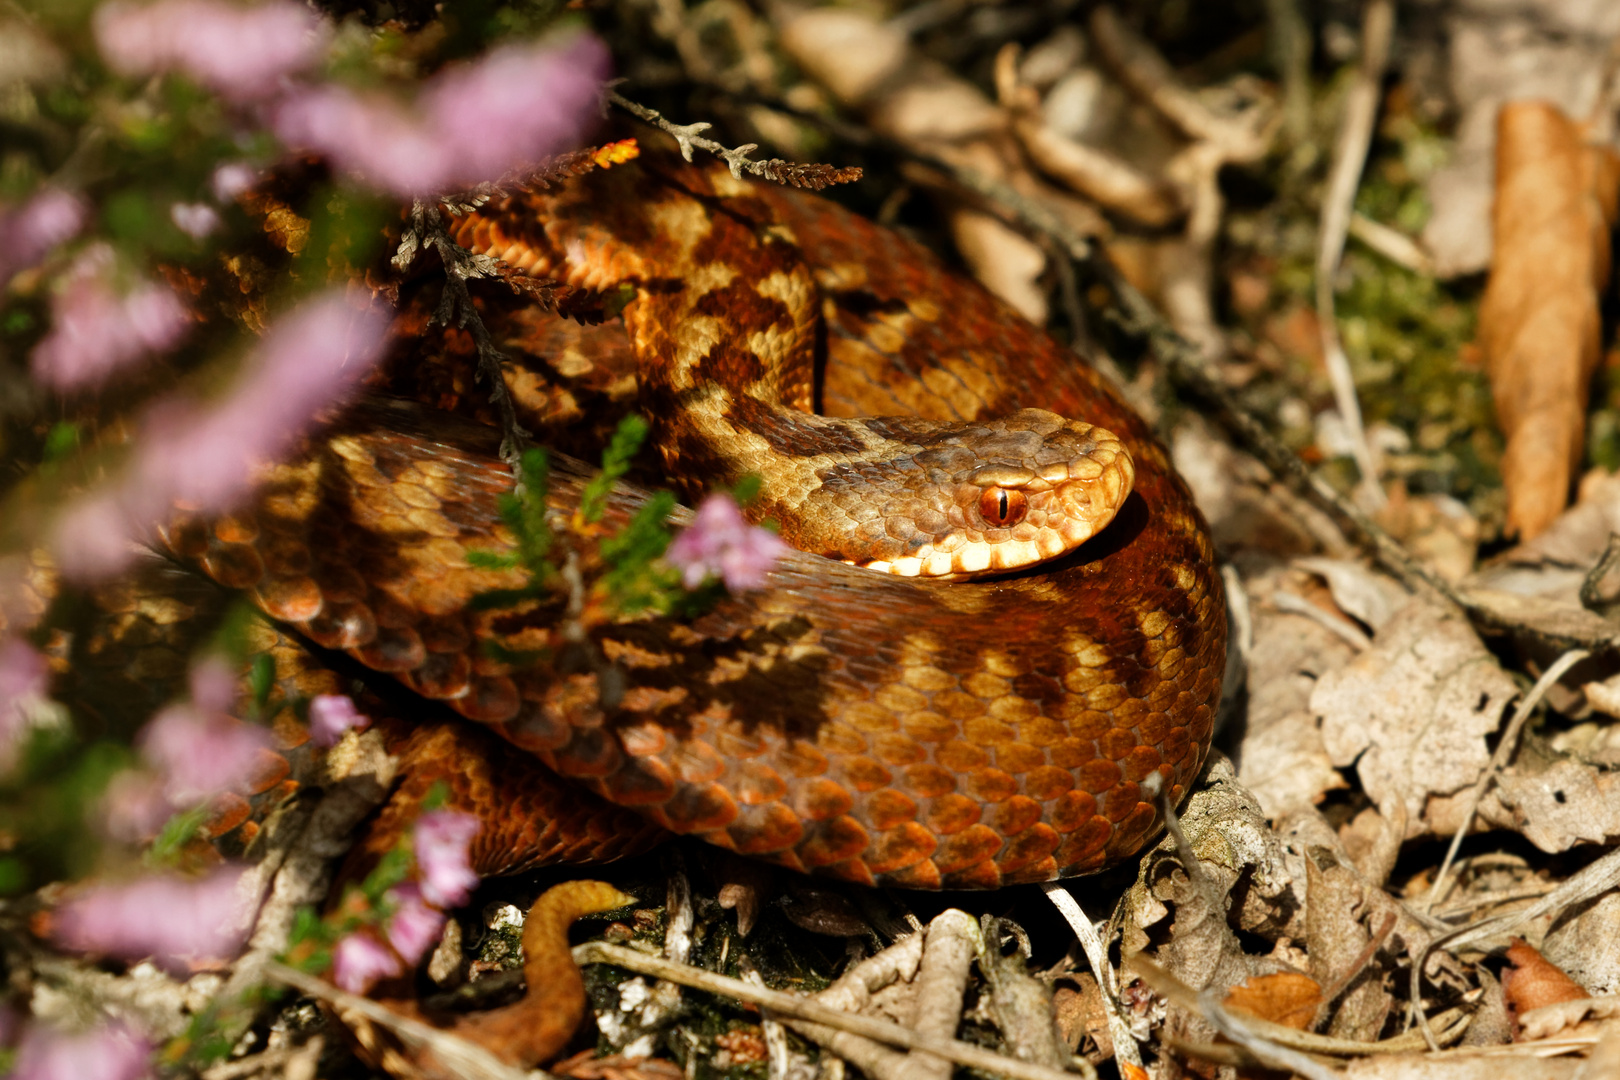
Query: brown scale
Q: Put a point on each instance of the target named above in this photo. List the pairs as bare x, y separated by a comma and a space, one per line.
840, 721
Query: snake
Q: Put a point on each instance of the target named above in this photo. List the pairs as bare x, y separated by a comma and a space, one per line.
995, 650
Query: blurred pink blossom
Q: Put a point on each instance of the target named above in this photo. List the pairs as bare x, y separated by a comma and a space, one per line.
113, 1052
720, 543
196, 220
94, 537
159, 916
470, 123
244, 52
330, 715
201, 754
204, 456
359, 960
198, 748
23, 680
30, 231
442, 839
212, 683
98, 327
414, 928
231, 179
134, 808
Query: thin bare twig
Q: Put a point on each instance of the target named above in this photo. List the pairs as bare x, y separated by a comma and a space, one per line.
795, 1007
467, 1059
1126, 1051
1349, 158
426, 229
688, 137
1593, 880
1504, 750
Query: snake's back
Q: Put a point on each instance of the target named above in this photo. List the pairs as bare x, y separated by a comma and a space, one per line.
841, 721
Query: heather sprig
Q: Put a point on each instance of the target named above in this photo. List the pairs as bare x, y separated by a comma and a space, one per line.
645, 567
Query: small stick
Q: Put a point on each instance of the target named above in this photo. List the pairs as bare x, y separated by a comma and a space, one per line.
1349, 158
1336, 987
1504, 750
1126, 1051
796, 1007
1593, 880
468, 1059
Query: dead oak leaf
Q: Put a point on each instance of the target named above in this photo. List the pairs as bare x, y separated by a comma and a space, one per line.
1412, 712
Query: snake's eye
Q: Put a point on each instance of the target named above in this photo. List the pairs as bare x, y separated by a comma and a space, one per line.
1003, 506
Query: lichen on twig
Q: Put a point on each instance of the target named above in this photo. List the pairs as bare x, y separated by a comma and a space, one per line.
810, 176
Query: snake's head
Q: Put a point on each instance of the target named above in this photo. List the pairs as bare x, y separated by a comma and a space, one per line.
1011, 493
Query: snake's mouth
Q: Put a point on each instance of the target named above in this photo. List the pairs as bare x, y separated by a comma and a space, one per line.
1057, 510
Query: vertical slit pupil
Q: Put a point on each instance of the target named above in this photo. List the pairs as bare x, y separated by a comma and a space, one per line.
1003, 506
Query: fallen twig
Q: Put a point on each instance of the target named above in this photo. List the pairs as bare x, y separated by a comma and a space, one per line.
464, 1058
1593, 880
688, 137
796, 1007
1126, 1052
1349, 159
1504, 750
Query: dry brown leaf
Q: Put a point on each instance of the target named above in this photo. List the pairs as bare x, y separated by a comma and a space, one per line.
1287, 998
1412, 712
1587, 946
872, 67
1539, 324
1534, 982
1566, 1016
1565, 804
1081, 1013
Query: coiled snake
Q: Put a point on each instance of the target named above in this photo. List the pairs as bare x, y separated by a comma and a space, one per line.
869, 726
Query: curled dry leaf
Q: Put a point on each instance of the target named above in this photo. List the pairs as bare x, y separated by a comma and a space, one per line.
1539, 323
1560, 1016
1287, 998
1534, 982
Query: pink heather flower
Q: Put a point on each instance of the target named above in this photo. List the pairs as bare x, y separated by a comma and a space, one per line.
29, 232
243, 52
201, 754
93, 538
204, 457
360, 960
198, 749
231, 179
23, 681
720, 543
196, 220
442, 839
113, 1052
212, 684
97, 327
134, 808
330, 715
159, 916
474, 122
414, 928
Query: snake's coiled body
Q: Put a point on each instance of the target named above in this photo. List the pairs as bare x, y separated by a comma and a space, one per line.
842, 721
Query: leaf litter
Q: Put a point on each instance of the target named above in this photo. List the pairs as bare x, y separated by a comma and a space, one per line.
1304, 914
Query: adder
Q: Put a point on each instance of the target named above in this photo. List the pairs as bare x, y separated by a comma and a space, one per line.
871, 724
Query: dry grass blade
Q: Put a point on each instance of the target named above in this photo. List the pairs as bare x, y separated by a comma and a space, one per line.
1349, 158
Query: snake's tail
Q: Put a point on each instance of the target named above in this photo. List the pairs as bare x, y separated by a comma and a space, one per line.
537, 1028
